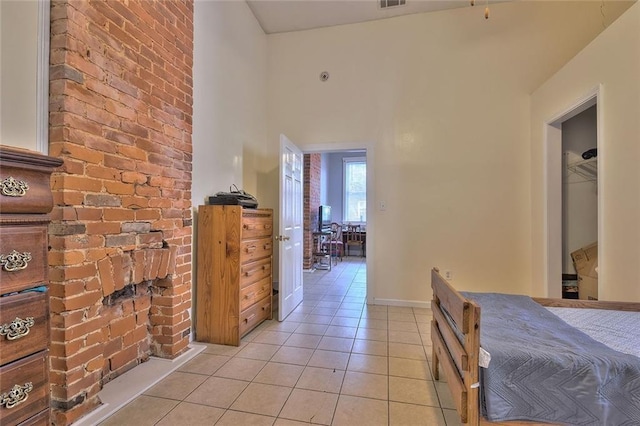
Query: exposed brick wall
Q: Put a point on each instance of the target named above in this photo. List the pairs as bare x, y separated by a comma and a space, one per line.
120, 260
311, 189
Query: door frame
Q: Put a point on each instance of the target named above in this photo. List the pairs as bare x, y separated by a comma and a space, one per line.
552, 163
368, 147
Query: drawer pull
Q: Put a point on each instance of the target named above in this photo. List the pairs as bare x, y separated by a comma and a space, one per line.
267, 246
14, 188
17, 328
15, 261
249, 318
251, 249
250, 295
267, 306
253, 271
249, 227
267, 226
16, 396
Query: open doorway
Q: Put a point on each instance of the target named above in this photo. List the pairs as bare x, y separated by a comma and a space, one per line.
324, 184
572, 188
335, 199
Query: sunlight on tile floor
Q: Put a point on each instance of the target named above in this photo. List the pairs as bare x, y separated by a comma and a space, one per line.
333, 361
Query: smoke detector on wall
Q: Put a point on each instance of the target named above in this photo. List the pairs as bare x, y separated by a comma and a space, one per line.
391, 3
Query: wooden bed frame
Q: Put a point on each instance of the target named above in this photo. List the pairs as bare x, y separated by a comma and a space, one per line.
459, 361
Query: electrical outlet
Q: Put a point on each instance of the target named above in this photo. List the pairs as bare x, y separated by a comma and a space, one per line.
383, 205
448, 275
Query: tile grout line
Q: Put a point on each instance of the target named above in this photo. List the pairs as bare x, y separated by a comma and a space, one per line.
330, 291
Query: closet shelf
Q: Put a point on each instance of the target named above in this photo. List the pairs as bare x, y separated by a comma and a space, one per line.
588, 169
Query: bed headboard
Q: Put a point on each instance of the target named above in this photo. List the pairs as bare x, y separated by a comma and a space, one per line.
455, 335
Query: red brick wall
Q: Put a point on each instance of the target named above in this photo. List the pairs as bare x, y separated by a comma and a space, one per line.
120, 260
311, 189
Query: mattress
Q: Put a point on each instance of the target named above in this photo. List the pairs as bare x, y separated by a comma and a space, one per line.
620, 330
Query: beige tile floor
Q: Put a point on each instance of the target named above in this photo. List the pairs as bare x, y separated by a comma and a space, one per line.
334, 361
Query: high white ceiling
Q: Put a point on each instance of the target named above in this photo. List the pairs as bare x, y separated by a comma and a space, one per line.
276, 16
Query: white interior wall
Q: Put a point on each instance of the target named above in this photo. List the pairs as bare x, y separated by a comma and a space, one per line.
445, 99
229, 101
18, 73
611, 61
334, 185
324, 178
579, 195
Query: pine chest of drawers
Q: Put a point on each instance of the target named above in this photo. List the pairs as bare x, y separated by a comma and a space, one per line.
25, 203
234, 277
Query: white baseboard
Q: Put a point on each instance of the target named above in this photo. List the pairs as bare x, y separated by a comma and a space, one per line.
405, 303
123, 389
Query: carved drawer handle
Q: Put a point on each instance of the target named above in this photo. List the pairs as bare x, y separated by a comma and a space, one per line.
249, 295
17, 328
251, 249
267, 246
15, 261
14, 188
249, 227
267, 306
267, 226
16, 396
249, 318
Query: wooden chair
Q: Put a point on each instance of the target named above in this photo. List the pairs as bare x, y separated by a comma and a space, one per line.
354, 238
335, 245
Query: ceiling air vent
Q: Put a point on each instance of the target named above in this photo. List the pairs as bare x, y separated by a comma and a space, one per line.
391, 3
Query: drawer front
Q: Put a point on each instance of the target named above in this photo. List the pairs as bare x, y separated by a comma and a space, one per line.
251, 250
254, 292
24, 390
24, 191
255, 271
23, 257
253, 316
256, 224
24, 325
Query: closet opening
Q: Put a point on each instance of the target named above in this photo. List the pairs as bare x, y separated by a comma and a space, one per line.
580, 205
573, 147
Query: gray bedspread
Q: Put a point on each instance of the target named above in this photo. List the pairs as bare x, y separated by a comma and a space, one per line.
542, 369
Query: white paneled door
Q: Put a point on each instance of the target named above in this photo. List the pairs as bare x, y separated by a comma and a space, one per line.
291, 225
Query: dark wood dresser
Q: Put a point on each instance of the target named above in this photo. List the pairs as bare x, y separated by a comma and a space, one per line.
25, 204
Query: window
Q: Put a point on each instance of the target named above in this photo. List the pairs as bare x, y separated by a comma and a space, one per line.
355, 190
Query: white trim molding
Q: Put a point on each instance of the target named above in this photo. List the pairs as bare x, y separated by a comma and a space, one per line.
552, 152
42, 77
